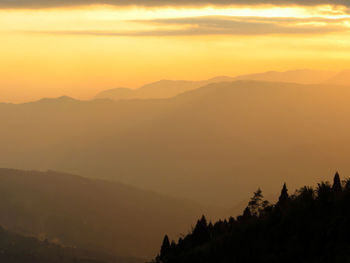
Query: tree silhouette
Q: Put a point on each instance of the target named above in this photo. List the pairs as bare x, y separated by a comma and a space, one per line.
165, 247
324, 192
309, 226
200, 232
255, 202
336, 183
246, 215
284, 197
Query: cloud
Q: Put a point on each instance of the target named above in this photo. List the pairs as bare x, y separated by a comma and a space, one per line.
155, 3
221, 25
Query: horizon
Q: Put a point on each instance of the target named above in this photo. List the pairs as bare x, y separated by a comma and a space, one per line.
92, 96
80, 47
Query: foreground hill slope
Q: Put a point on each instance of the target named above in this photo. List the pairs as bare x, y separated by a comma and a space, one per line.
212, 144
15, 248
310, 226
91, 214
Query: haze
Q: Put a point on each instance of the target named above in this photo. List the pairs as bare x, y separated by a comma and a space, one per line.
49, 50
123, 121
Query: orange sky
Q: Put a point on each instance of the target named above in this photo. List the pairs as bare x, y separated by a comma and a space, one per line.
80, 51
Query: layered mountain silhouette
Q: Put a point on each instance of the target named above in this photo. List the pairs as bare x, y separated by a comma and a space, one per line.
91, 214
160, 89
304, 76
171, 88
211, 145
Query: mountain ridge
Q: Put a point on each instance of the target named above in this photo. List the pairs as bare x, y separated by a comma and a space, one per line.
89, 213
169, 88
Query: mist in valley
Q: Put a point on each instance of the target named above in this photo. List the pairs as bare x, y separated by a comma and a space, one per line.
113, 174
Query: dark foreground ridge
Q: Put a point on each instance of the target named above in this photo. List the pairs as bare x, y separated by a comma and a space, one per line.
15, 248
312, 225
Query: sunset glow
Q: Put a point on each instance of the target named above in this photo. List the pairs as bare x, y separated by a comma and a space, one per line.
79, 51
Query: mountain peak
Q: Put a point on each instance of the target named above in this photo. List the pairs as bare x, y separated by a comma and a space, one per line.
60, 99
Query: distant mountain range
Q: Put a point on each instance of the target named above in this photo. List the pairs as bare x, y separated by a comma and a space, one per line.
211, 145
91, 214
303, 76
170, 88
160, 89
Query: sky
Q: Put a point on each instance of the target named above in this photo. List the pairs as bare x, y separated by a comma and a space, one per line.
80, 47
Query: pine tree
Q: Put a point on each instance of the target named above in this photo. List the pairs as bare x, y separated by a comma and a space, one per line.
246, 213
165, 247
336, 183
284, 197
201, 231
255, 202
203, 222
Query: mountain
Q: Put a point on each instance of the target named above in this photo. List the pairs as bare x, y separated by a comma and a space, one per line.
212, 145
170, 88
309, 226
90, 214
304, 76
159, 89
15, 248
342, 78
116, 94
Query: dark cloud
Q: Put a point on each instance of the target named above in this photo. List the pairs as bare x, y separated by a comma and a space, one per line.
227, 26
154, 3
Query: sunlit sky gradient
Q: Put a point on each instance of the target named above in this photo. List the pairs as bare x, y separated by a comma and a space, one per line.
81, 50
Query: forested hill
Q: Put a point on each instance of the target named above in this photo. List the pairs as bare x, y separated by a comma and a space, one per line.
312, 225
15, 248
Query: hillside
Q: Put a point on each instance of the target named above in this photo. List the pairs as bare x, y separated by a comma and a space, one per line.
311, 225
90, 214
15, 248
212, 145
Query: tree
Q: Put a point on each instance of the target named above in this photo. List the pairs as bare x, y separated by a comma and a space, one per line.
255, 202
284, 197
306, 194
200, 231
336, 183
324, 192
165, 247
246, 215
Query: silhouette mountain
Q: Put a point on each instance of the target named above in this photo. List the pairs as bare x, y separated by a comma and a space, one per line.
91, 214
170, 88
308, 226
159, 89
119, 93
212, 145
62, 99
303, 76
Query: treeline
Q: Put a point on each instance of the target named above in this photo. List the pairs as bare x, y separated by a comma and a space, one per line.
312, 225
